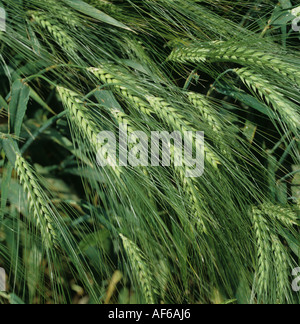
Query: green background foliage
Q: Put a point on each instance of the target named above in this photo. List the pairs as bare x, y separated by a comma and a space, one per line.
73, 232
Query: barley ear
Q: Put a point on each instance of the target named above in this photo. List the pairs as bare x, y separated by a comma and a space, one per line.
108, 74
79, 115
54, 29
175, 120
264, 252
38, 202
220, 51
283, 214
139, 266
271, 95
281, 265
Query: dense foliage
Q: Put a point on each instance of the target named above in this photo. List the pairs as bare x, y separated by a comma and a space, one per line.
74, 232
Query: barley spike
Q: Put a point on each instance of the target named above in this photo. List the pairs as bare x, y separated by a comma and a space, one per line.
139, 266
173, 118
42, 211
222, 51
108, 75
88, 127
52, 26
270, 94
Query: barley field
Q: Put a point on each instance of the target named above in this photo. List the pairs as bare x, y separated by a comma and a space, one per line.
149, 152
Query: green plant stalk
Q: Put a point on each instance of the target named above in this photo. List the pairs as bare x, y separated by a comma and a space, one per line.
48, 124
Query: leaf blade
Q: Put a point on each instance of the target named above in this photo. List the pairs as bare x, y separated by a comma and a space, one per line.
91, 11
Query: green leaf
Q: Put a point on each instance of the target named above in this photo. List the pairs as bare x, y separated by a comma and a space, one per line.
107, 99
291, 240
18, 106
15, 300
40, 101
246, 99
3, 103
95, 239
5, 185
91, 11
10, 148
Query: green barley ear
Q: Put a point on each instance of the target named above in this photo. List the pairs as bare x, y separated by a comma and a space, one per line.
271, 95
79, 115
141, 271
108, 74
283, 214
264, 252
219, 51
41, 210
175, 120
274, 260
62, 13
281, 265
54, 29
206, 110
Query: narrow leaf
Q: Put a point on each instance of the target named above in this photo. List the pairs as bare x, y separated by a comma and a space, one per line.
18, 106
91, 11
